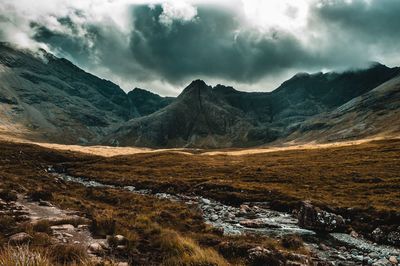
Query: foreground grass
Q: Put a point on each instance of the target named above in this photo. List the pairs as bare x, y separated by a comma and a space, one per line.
158, 232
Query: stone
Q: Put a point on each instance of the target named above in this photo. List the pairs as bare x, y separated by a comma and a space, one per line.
67, 235
121, 247
323, 247
214, 217
373, 255
120, 238
20, 238
122, 264
393, 260
381, 262
205, 201
95, 248
45, 203
354, 234
313, 218
83, 226
257, 224
63, 227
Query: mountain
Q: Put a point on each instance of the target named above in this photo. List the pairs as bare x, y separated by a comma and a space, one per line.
197, 118
47, 98
375, 113
217, 117
144, 102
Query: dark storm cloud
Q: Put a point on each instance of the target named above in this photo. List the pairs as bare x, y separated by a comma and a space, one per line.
372, 21
218, 44
213, 44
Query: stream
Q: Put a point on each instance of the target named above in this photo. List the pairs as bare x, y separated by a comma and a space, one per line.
256, 218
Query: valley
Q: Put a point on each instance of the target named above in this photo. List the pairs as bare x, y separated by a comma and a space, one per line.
242, 209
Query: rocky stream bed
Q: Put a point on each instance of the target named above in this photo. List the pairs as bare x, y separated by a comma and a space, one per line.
257, 218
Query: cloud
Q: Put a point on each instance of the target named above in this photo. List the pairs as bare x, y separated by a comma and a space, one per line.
162, 45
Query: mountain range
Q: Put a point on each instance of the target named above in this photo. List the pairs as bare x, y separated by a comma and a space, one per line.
45, 98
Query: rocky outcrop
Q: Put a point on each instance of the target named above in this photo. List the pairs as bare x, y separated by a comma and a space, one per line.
313, 218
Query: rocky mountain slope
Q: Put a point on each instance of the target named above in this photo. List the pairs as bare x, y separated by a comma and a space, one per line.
203, 116
376, 112
46, 98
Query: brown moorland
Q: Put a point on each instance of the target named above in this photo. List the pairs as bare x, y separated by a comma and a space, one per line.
157, 231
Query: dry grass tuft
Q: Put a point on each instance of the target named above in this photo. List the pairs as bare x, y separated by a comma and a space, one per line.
185, 252
68, 253
103, 223
23, 256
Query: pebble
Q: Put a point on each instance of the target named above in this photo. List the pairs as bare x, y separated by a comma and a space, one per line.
393, 260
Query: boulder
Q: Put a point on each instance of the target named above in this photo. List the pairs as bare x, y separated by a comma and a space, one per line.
313, 218
20, 238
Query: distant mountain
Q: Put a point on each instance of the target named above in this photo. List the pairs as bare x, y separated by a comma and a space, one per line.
143, 102
197, 118
51, 99
46, 98
375, 113
203, 116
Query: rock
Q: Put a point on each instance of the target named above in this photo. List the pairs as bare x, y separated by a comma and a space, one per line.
323, 247
83, 226
377, 235
394, 238
354, 234
314, 218
381, 262
263, 256
373, 255
205, 201
120, 238
95, 248
67, 235
20, 238
393, 260
257, 224
214, 217
122, 264
121, 247
45, 203
66, 227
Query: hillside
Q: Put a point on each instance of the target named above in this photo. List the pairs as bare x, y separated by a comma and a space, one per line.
45, 98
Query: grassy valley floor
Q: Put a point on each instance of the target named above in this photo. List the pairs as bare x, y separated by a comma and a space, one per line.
360, 182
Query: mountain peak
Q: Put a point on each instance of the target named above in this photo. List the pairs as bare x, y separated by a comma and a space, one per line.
195, 87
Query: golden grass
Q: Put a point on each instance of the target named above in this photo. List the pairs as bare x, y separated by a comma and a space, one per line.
184, 251
368, 172
23, 256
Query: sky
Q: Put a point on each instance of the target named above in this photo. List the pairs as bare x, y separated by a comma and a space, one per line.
252, 45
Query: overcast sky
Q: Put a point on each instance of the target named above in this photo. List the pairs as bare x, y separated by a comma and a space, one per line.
250, 44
